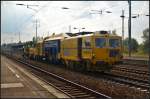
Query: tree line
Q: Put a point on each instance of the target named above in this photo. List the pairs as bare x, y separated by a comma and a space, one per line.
135, 46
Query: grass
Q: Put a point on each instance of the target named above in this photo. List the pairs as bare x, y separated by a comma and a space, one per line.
137, 54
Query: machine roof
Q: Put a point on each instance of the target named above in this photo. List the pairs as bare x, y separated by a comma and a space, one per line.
57, 36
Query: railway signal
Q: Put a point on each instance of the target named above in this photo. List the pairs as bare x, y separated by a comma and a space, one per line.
129, 26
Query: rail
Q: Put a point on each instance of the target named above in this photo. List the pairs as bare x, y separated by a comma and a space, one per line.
77, 86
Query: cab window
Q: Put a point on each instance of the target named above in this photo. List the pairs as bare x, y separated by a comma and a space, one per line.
86, 43
114, 43
100, 42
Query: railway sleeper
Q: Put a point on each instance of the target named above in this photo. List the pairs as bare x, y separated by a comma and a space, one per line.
65, 88
91, 97
58, 84
83, 96
77, 94
73, 90
76, 91
63, 85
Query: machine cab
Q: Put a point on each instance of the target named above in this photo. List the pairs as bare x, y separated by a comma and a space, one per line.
107, 48
115, 48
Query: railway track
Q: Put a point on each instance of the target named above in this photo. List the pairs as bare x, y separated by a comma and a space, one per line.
71, 89
123, 80
131, 72
132, 82
120, 79
136, 62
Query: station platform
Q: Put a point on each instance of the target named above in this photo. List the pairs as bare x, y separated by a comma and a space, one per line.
17, 82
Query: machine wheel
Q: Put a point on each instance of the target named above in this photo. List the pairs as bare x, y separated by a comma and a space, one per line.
88, 65
67, 64
76, 65
71, 65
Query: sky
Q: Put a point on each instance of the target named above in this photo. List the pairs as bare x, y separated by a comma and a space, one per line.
52, 18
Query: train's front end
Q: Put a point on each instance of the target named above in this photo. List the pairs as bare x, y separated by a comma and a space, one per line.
100, 57
115, 50
107, 51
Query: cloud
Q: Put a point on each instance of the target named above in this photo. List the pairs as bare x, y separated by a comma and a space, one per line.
53, 18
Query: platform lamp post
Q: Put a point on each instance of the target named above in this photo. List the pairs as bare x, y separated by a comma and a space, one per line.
66, 8
36, 21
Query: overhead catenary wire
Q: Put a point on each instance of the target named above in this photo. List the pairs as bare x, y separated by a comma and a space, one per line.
65, 23
28, 19
34, 15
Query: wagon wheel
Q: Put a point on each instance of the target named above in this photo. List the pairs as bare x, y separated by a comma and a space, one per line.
82, 67
88, 65
72, 65
76, 66
63, 62
67, 64
50, 59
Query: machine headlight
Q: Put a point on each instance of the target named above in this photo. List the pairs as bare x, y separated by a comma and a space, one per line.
93, 56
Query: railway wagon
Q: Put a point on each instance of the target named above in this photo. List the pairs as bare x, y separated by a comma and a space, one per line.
26, 48
48, 48
33, 50
52, 47
38, 50
93, 52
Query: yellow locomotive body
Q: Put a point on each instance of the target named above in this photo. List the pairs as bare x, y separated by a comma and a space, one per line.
69, 49
39, 47
28, 50
34, 51
52, 47
38, 52
92, 51
31, 52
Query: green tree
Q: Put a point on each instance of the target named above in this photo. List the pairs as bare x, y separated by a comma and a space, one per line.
146, 40
114, 32
134, 45
33, 39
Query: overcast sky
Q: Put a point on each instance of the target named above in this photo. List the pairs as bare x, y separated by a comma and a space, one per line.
52, 18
